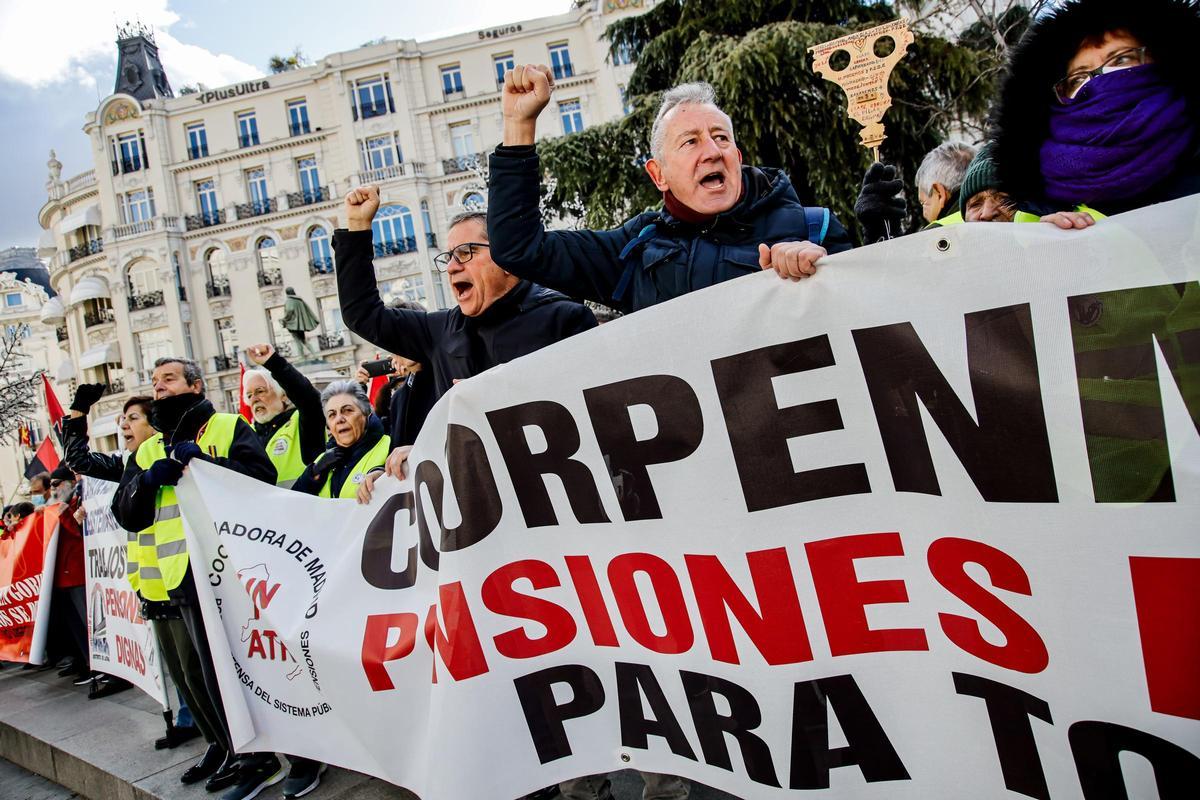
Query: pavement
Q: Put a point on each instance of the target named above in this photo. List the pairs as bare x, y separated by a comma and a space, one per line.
103, 749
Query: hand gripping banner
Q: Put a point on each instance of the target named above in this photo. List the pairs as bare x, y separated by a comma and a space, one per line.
27, 557
921, 526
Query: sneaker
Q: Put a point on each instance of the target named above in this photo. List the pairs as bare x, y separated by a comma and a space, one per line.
84, 679
176, 736
72, 667
226, 775
303, 777
255, 776
104, 685
209, 763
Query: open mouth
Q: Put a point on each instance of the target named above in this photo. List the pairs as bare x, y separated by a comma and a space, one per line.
461, 289
128, 437
714, 181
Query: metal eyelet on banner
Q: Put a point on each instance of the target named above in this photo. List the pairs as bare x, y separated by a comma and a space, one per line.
943, 245
625, 757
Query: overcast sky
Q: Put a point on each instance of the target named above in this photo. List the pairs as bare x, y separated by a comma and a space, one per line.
58, 60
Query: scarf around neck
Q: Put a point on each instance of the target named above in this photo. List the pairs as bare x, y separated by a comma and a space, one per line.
1124, 133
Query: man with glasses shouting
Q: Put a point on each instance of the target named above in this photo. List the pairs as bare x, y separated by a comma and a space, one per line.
498, 317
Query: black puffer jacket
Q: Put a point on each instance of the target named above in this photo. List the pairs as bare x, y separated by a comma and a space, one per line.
1020, 117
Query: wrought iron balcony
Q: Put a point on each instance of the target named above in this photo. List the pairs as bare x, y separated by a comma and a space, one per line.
224, 362
217, 287
451, 166
431, 241
147, 300
380, 174
88, 248
308, 197
204, 219
60, 333
284, 349
256, 208
396, 247
182, 293
114, 386
328, 341
270, 277
125, 165
368, 110
321, 266
98, 317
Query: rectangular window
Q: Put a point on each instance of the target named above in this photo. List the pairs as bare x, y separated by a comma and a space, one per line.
372, 96
129, 153
279, 333
247, 129
256, 189
298, 117
12, 300
560, 61
503, 64
331, 315
462, 139
227, 338
206, 201
452, 83
381, 151
197, 139
571, 114
310, 179
137, 206
153, 345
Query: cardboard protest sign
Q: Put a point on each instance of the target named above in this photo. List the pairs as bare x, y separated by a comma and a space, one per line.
27, 559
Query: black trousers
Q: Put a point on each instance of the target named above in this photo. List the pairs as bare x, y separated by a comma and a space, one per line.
184, 664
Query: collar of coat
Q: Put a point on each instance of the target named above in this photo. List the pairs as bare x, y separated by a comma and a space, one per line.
762, 188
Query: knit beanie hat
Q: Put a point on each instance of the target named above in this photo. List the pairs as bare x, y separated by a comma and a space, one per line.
981, 174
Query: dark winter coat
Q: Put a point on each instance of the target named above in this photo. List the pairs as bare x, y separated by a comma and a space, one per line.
336, 462
654, 256
411, 401
448, 343
1020, 117
80, 457
306, 402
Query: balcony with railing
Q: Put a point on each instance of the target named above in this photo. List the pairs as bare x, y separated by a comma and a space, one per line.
269, 277
309, 196
114, 386
321, 266
98, 316
182, 292
147, 300
256, 208
204, 219
396, 247
453, 166
224, 362
368, 110
88, 248
84, 180
329, 341
60, 333
217, 287
405, 170
163, 222
124, 166
431, 240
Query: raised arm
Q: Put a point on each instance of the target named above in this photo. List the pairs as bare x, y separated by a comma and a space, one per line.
301, 393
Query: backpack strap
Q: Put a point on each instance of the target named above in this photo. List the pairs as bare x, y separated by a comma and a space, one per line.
817, 220
630, 265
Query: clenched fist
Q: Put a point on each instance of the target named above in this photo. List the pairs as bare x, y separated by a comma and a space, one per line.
360, 208
259, 353
527, 89
793, 260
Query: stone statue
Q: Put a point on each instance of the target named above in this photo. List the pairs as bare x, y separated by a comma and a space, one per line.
55, 170
299, 319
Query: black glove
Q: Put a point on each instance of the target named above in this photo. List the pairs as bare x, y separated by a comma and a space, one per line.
164, 472
86, 396
328, 460
186, 451
880, 208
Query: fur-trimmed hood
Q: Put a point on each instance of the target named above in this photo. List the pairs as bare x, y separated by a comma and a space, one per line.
1020, 118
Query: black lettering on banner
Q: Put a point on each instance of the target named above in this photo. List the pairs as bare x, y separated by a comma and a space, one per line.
759, 429
634, 680
1097, 747
471, 476
1120, 395
867, 745
1009, 710
711, 725
379, 543
545, 717
680, 429
1007, 453
527, 468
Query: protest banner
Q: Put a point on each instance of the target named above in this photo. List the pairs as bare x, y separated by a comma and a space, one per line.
120, 641
27, 559
921, 526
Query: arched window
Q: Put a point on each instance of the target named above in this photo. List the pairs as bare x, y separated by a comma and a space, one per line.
474, 201
268, 254
393, 231
320, 257
143, 278
217, 266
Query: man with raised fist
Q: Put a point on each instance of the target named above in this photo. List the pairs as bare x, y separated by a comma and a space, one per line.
720, 220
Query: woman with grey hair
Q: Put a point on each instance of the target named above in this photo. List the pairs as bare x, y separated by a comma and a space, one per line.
360, 444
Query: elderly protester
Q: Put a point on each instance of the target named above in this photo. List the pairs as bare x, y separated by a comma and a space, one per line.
939, 178
981, 198
68, 608
360, 444
721, 219
1098, 110
287, 412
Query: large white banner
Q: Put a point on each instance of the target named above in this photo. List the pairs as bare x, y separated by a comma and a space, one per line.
921, 526
120, 641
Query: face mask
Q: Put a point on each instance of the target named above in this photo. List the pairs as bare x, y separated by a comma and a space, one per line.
37, 500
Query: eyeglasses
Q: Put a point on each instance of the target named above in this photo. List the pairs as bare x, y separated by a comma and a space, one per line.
1067, 89
462, 254
254, 394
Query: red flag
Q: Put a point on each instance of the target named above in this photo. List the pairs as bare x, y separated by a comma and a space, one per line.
377, 383
243, 406
44, 460
53, 408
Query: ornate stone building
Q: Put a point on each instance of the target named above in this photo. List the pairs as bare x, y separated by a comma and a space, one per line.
201, 207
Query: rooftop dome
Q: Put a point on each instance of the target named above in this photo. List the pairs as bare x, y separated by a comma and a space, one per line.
25, 263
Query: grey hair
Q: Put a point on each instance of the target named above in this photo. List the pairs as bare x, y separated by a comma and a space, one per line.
945, 164
469, 216
352, 388
695, 94
191, 370
266, 375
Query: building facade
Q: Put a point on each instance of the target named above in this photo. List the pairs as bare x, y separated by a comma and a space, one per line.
201, 208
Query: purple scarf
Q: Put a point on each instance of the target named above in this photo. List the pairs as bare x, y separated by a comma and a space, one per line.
1124, 133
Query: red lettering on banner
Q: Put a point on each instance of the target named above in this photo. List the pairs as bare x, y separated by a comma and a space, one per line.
778, 630
679, 636
501, 598
130, 654
1166, 593
1023, 649
461, 652
272, 649
595, 611
844, 598
376, 651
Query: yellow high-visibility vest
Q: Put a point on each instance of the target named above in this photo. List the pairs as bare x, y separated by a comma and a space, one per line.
375, 457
